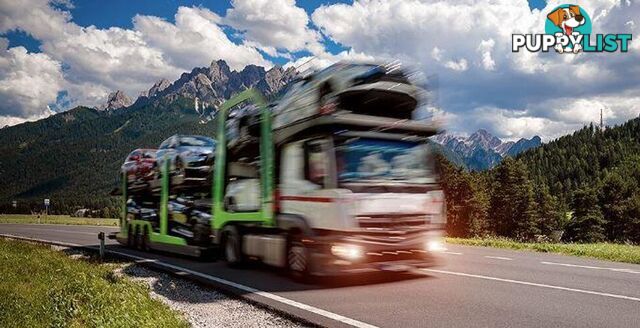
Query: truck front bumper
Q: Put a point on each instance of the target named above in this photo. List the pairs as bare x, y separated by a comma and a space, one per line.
407, 255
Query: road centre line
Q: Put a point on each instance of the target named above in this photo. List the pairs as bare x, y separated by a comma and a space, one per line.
526, 283
591, 267
499, 258
184, 271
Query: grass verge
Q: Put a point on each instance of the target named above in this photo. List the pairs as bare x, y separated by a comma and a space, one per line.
42, 287
603, 251
56, 219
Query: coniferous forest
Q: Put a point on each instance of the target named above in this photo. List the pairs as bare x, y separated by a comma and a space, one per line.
583, 187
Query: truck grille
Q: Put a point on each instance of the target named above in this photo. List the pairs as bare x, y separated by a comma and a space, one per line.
391, 223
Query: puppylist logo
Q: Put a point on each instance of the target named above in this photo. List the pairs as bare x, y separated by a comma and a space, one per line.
568, 30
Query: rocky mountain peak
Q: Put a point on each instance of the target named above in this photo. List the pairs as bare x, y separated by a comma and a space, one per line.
275, 77
219, 71
485, 139
482, 150
158, 87
116, 100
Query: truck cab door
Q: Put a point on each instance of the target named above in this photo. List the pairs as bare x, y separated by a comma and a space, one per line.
307, 184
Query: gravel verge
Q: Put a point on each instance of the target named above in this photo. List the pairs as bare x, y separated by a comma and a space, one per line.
201, 306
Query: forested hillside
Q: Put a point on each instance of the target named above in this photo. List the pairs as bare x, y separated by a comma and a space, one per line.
74, 157
584, 187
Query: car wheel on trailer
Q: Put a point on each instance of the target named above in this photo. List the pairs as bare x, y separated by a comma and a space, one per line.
298, 259
232, 247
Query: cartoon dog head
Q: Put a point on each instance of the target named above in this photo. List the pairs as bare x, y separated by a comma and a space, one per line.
567, 18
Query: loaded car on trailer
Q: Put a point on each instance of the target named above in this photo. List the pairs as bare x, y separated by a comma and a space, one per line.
330, 192
190, 159
139, 167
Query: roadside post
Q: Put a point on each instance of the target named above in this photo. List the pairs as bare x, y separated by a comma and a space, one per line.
47, 201
101, 238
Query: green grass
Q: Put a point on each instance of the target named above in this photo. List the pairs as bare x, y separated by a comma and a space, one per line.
603, 251
56, 219
41, 287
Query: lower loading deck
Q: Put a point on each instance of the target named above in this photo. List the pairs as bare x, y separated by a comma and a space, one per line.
140, 234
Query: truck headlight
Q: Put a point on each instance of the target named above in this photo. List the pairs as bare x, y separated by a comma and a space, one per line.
435, 245
347, 252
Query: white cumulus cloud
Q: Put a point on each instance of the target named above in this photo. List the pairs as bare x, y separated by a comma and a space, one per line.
274, 24
28, 84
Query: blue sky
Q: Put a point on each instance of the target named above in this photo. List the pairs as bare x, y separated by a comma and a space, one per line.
57, 54
105, 14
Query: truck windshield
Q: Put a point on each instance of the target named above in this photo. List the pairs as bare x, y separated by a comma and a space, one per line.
375, 160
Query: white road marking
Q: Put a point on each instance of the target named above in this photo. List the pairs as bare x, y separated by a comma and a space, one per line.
268, 295
592, 267
451, 253
183, 271
526, 283
64, 231
499, 258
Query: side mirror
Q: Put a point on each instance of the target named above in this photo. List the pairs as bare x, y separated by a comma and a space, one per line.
230, 204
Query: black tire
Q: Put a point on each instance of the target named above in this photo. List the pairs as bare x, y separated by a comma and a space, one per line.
178, 175
232, 247
298, 259
138, 238
179, 166
145, 240
201, 234
130, 241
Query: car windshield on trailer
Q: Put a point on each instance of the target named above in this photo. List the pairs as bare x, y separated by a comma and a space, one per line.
377, 160
197, 141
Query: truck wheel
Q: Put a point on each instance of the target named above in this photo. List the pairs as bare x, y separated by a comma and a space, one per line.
201, 234
298, 259
232, 247
145, 240
130, 241
139, 241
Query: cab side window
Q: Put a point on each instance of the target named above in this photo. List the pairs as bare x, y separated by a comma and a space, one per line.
316, 162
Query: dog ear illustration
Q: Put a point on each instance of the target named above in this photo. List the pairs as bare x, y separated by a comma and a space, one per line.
556, 16
575, 10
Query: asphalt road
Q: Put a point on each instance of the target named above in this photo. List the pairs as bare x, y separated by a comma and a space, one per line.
475, 287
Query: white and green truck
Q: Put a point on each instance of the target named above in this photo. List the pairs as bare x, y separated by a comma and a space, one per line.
332, 193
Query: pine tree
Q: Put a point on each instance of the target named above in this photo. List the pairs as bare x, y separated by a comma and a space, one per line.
512, 203
547, 211
479, 206
587, 222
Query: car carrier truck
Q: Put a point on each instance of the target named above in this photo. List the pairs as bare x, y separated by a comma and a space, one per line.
331, 193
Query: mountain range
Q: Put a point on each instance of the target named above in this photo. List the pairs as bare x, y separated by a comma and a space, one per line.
207, 86
482, 150
74, 157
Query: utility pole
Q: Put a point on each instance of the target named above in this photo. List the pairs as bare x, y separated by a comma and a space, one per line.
601, 124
